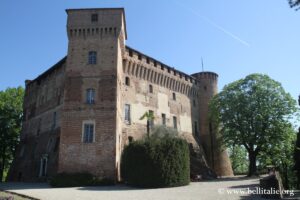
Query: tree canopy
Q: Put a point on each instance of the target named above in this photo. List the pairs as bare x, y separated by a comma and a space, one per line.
254, 112
294, 4
11, 110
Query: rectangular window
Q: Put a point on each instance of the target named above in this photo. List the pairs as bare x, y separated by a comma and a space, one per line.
175, 122
150, 88
90, 96
195, 127
127, 113
54, 121
174, 96
92, 58
94, 17
88, 132
163, 116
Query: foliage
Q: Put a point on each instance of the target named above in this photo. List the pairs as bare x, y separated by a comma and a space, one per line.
294, 4
254, 112
11, 110
78, 179
150, 117
156, 162
297, 158
281, 155
238, 157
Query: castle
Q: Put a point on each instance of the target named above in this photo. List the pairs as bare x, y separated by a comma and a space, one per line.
80, 113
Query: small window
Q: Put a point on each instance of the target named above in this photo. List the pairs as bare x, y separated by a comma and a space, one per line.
195, 127
140, 57
88, 132
54, 121
94, 17
90, 96
205, 87
163, 116
127, 113
194, 102
127, 81
174, 96
175, 122
150, 88
92, 58
148, 60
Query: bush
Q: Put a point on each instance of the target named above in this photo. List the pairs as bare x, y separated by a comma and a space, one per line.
78, 179
156, 162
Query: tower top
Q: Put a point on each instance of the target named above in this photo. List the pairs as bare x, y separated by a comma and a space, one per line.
102, 16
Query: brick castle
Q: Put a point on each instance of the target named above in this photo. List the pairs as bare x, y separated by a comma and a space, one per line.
79, 114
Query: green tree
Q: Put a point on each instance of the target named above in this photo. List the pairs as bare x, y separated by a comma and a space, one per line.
294, 4
238, 157
150, 117
11, 109
253, 112
297, 158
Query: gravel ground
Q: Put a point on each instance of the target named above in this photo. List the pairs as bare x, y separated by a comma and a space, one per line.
216, 189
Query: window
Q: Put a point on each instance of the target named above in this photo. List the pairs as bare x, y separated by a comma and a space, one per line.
54, 121
195, 127
94, 17
174, 96
163, 116
92, 57
90, 96
175, 122
127, 113
151, 113
43, 166
127, 81
150, 89
194, 102
88, 132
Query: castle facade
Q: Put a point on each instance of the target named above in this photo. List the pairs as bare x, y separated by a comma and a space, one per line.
80, 113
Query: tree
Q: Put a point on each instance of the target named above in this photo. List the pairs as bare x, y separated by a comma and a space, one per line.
253, 112
150, 117
294, 4
297, 158
11, 109
238, 157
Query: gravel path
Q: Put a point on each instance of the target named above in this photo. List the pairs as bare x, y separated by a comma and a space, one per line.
216, 189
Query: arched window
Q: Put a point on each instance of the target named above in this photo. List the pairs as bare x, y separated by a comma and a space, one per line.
92, 57
127, 81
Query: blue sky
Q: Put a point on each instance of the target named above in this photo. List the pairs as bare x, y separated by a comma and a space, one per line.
234, 37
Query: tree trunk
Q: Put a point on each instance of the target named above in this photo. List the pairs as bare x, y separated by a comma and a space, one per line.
148, 127
252, 163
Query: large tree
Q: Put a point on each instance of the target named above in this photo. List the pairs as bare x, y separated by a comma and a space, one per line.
253, 112
297, 157
294, 4
11, 109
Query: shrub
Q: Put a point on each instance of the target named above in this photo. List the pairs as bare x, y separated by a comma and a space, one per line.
78, 179
156, 162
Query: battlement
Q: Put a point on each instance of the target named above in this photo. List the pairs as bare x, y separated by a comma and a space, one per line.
206, 75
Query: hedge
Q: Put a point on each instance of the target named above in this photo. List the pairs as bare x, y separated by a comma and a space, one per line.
156, 162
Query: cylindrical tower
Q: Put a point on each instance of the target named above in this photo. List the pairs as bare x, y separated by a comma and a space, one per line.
217, 157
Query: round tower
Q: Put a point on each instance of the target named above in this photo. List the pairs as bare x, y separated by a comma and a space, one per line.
217, 157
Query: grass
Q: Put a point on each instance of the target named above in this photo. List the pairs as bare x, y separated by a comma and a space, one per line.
15, 197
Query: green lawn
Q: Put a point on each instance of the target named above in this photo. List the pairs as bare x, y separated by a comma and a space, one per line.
16, 197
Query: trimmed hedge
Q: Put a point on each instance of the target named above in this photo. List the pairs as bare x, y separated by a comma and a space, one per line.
156, 162
78, 179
